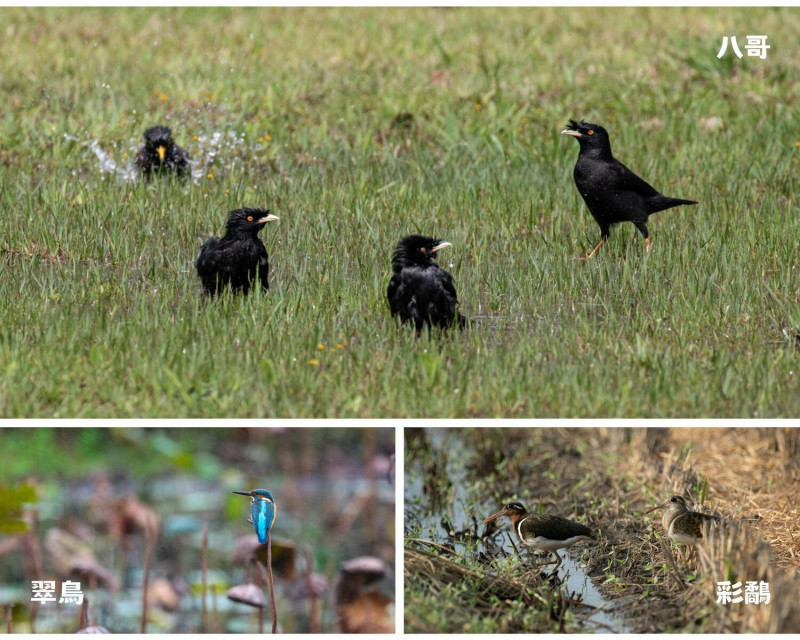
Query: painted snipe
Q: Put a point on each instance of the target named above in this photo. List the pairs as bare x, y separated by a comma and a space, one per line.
682, 524
542, 530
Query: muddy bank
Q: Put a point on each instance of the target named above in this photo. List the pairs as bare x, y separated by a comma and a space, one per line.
607, 478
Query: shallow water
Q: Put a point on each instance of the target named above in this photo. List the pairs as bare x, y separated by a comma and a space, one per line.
108, 165
209, 154
452, 521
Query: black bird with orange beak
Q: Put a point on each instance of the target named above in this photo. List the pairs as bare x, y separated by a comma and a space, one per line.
543, 530
161, 155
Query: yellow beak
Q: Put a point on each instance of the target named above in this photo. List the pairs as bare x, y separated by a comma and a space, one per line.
162, 151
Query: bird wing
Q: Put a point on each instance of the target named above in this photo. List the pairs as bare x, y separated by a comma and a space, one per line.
448, 285
552, 527
263, 514
181, 159
393, 293
263, 266
181, 154
628, 180
208, 256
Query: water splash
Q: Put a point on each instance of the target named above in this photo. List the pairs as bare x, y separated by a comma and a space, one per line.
210, 146
211, 153
107, 164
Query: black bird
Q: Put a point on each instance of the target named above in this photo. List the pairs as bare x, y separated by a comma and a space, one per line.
613, 192
160, 154
420, 291
239, 257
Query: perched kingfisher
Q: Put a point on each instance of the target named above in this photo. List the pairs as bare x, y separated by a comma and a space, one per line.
262, 510
542, 530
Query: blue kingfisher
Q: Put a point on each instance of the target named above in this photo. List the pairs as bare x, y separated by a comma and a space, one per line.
262, 510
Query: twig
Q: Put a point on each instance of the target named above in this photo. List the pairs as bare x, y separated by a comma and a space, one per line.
205, 570
147, 558
93, 590
83, 622
433, 544
672, 563
312, 596
599, 624
38, 565
271, 584
267, 574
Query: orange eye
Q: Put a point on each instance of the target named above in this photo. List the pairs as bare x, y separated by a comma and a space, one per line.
422, 249
249, 218
590, 132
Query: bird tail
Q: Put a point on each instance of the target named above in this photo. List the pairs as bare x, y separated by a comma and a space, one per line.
663, 202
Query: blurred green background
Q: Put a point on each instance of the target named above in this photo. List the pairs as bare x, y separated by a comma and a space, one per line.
78, 497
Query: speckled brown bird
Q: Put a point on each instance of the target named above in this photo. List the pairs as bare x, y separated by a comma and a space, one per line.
681, 524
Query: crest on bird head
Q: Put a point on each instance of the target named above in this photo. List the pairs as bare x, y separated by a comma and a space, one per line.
417, 250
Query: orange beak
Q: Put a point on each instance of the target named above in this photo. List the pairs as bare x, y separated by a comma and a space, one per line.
502, 512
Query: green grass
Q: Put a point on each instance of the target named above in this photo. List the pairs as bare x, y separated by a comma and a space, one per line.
102, 312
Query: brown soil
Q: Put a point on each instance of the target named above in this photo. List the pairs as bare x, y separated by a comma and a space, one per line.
608, 477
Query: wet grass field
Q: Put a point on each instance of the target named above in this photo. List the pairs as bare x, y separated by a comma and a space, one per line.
633, 578
356, 127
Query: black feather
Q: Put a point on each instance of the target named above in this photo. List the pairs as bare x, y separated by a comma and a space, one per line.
420, 291
613, 192
161, 155
239, 258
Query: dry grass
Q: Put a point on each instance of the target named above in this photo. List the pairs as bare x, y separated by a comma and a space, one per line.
609, 477
459, 587
747, 474
438, 570
753, 471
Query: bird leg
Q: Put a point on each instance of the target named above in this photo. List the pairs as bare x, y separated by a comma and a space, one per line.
533, 555
647, 244
558, 564
596, 249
